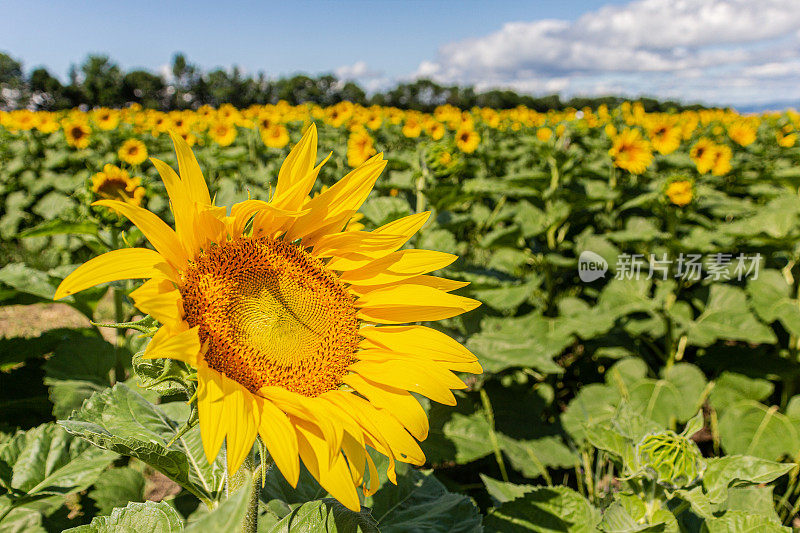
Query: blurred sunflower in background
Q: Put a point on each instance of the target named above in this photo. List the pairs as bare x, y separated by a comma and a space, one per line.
359, 148
664, 135
113, 183
223, 133
703, 153
77, 134
133, 152
680, 192
631, 151
276, 136
295, 327
467, 140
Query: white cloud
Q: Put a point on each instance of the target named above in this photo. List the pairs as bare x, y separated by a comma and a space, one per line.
709, 50
357, 71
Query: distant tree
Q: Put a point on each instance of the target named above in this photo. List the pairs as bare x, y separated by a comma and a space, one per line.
101, 81
144, 88
12, 84
47, 93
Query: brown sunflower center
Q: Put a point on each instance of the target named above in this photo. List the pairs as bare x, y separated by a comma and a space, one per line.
115, 188
271, 315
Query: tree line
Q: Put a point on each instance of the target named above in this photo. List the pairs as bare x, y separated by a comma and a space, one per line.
99, 81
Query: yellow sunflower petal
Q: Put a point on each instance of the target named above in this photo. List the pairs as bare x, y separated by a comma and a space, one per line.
349, 258
441, 284
331, 209
160, 299
398, 266
434, 385
296, 169
181, 204
127, 263
399, 402
335, 479
190, 172
161, 236
280, 439
243, 418
210, 408
183, 346
362, 241
445, 367
419, 340
411, 303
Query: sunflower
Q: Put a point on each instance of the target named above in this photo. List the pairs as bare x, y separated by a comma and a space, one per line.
665, 136
631, 152
223, 133
722, 160
544, 134
47, 122
680, 192
786, 139
133, 152
113, 183
77, 134
107, 119
276, 136
295, 326
467, 140
359, 148
703, 153
742, 132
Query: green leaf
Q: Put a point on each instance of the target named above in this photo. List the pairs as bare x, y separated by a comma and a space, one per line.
121, 420
420, 502
531, 457
656, 400
228, 516
727, 317
117, 487
617, 519
530, 341
60, 227
690, 382
459, 437
750, 428
730, 388
544, 510
79, 367
742, 522
327, 516
46, 460
770, 297
135, 518
737, 470
502, 491
594, 404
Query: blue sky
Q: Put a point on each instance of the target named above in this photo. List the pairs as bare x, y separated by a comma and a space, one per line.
712, 50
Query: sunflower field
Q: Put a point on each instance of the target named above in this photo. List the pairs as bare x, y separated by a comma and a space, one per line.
484, 320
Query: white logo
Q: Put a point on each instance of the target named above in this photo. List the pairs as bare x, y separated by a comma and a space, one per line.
591, 266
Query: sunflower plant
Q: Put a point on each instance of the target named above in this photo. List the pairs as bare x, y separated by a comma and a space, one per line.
298, 333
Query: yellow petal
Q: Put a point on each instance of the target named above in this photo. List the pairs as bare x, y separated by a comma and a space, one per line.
420, 340
161, 236
160, 299
399, 402
398, 266
296, 169
334, 207
336, 479
441, 284
181, 204
363, 242
243, 419
210, 408
183, 346
127, 263
434, 385
404, 227
190, 172
411, 303
280, 439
